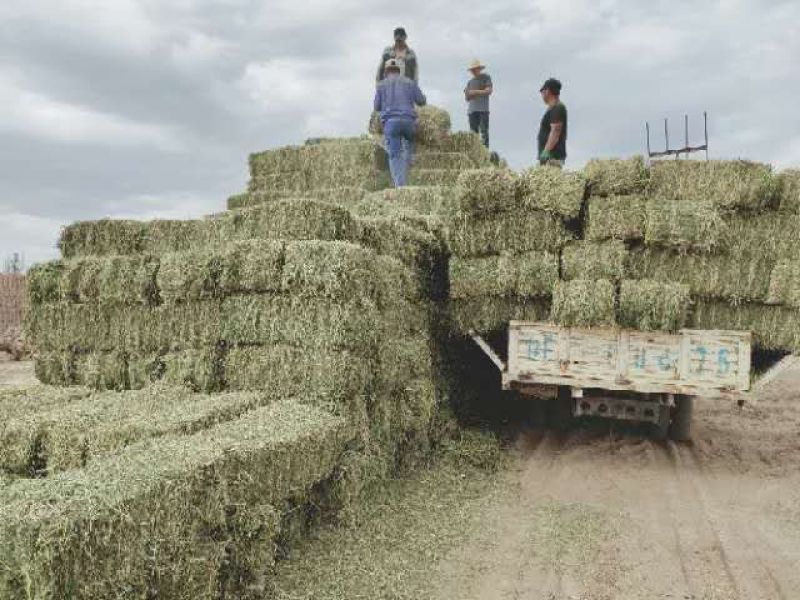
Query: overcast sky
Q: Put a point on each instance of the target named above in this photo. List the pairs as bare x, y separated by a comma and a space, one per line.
149, 108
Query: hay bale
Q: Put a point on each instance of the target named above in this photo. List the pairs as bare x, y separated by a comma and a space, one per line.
192, 509
102, 370
294, 219
594, 260
528, 275
771, 234
616, 217
649, 305
552, 190
617, 176
490, 314
44, 281
55, 368
118, 280
784, 284
485, 192
433, 125
90, 328
419, 207
774, 327
343, 196
199, 370
469, 144
513, 232
301, 322
454, 161
69, 436
351, 155
789, 182
735, 278
584, 303
104, 237
725, 184
687, 226
27, 401
426, 177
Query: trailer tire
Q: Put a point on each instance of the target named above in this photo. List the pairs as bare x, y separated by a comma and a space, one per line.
681, 428
560, 413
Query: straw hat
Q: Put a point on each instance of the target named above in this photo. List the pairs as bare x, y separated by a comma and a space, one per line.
476, 64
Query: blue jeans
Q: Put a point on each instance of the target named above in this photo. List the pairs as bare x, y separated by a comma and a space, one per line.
400, 144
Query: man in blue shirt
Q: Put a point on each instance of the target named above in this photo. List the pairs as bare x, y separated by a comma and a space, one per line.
395, 100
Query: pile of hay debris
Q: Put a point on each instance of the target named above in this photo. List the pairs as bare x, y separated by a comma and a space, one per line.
217, 386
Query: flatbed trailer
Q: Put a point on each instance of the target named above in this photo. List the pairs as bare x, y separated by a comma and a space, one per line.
622, 374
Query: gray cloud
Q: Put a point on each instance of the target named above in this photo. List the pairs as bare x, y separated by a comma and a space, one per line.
147, 108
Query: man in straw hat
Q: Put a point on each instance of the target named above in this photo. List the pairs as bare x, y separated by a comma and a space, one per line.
477, 93
395, 99
406, 58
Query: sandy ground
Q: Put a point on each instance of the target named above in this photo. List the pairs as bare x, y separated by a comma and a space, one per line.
605, 514
15, 374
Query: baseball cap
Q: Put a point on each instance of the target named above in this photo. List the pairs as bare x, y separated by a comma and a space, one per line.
400, 32
554, 85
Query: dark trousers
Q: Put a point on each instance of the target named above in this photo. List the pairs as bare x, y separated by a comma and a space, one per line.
479, 123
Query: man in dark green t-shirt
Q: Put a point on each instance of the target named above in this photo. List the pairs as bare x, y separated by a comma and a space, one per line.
552, 139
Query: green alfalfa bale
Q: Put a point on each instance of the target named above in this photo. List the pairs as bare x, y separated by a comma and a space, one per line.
411, 200
649, 305
514, 232
617, 176
734, 278
469, 144
199, 370
144, 369
594, 260
337, 379
103, 238
433, 125
295, 219
55, 368
302, 322
686, 226
784, 284
70, 436
725, 184
584, 303
455, 161
400, 359
163, 236
558, 192
789, 181
29, 400
774, 327
485, 192
117, 280
426, 177
44, 282
343, 196
189, 508
189, 276
770, 233
102, 370
616, 217
423, 253
527, 275
334, 270
490, 314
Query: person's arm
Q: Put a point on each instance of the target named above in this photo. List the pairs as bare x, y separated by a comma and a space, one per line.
379, 76
554, 136
378, 103
419, 97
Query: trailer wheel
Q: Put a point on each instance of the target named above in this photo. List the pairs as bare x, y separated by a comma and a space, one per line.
681, 428
560, 413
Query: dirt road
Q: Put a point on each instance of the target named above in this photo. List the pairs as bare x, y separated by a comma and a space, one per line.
599, 514
15, 374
